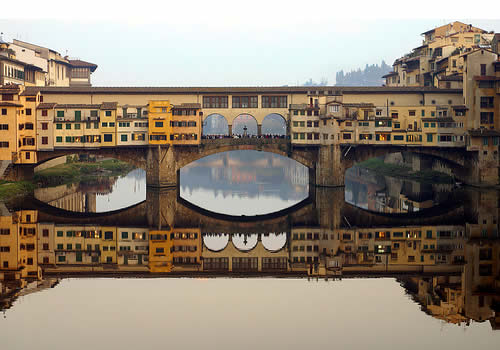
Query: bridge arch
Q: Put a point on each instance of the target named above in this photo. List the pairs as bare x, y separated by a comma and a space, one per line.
455, 162
274, 242
132, 155
274, 124
215, 242
245, 124
215, 124
245, 242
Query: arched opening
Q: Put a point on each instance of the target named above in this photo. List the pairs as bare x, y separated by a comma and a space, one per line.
274, 242
89, 183
216, 242
244, 182
215, 125
400, 183
244, 242
274, 125
245, 125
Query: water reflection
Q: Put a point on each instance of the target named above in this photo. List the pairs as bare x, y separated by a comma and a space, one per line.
385, 194
448, 262
98, 194
244, 183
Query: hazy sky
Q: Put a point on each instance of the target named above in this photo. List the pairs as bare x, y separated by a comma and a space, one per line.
230, 43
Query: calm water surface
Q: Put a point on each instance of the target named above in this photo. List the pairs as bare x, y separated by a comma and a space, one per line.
381, 263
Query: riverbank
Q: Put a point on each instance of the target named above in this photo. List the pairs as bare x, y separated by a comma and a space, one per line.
64, 174
80, 171
12, 189
378, 166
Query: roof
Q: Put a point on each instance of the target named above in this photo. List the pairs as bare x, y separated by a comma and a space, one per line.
390, 74
333, 90
109, 105
9, 88
451, 78
10, 104
358, 105
188, 105
4, 58
459, 107
476, 50
83, 64
46, 105
484, 132
484, 77
82, 106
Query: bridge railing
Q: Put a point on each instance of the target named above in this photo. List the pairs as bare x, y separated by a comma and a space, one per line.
245, 141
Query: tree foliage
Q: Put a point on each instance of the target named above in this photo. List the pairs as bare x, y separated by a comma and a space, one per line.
370, 76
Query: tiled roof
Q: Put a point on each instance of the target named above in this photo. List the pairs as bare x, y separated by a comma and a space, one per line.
109, 105
10, 104
484, 132
73, 106
390, 74
83, 64
46, 105
188, 105
334, 90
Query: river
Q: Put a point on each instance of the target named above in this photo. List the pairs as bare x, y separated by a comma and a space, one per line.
244, 254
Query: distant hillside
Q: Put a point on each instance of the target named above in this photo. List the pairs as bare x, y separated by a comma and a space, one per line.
370, 76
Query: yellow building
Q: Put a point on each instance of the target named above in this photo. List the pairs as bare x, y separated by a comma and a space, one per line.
10, 108
186, 124
160, 116
160, 246
108, 124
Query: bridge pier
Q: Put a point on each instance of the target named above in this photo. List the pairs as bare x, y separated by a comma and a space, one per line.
161, 167
330, 168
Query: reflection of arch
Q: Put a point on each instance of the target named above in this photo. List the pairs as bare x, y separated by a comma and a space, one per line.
274, 124
216, 242
245, 242
215, 124
243, 120
274, 242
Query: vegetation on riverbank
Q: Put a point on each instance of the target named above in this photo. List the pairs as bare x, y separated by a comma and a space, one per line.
12, 189
80, 171
378, 166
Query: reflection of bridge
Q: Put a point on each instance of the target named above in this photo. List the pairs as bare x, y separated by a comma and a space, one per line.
323, 237
327, 163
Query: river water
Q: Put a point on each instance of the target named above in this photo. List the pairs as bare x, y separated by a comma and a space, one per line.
246, 254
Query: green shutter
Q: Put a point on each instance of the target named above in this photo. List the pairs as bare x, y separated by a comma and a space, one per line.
78, 116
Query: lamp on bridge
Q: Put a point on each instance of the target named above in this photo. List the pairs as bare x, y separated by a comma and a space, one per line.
245, 131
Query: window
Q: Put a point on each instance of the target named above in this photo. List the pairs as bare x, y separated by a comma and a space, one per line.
108, 137
429, 137
124, 138
58, 126
485, 141
274, 101
45, 140
4, 111
78, 116
68, 126
93, 113
215, 102
245, 102
124, 235
487, 117
104, 125
108, 235
411, 113
111, 124
77, 126
60, 114
333, 108
487, 102
28, 111
45, 126
108, 113
58, 138
483, 69
158, 124
398, 138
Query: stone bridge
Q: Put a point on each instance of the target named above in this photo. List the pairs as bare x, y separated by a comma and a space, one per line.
327, 164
